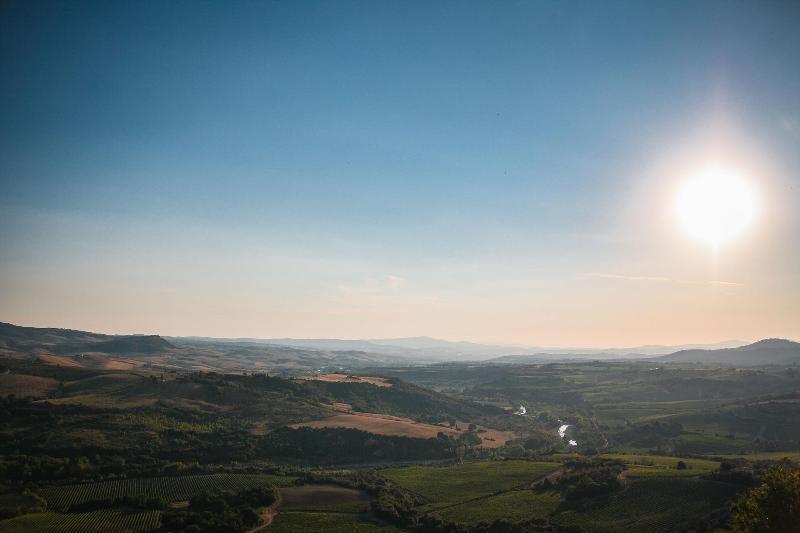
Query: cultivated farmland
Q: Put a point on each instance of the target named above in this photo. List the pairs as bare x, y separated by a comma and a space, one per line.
381, 425
168, 488
656, 504
291, 522
450, 485
323, 498
663, 466
515, 505
107, 520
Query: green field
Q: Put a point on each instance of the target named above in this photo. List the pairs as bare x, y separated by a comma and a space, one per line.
450, 485
765, 456
662, 465
515, 505
106, 521
651, 505
168, 488
292, 522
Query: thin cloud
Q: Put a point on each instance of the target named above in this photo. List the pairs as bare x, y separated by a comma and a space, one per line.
373, 285
393, 282
661, 279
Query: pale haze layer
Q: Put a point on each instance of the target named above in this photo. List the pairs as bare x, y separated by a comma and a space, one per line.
495, 172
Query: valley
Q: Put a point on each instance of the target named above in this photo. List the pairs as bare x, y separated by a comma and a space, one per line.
423, 446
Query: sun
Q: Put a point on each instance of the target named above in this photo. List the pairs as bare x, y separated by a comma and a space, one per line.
716, 205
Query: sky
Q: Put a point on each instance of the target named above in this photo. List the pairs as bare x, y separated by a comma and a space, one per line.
485, 171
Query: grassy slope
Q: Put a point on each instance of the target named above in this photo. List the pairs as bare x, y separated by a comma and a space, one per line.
663, 466
450, 485
651, 505
515, 505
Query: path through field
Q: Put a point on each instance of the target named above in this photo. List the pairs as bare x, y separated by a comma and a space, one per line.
268, 515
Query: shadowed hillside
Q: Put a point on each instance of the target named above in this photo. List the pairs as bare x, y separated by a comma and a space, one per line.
94, 350
764, 352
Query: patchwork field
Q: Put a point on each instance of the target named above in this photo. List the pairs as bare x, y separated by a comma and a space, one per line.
450, 485
403, 427
344, 378
663, 466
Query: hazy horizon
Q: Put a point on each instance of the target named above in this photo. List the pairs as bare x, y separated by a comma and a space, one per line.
496, 173
387, 340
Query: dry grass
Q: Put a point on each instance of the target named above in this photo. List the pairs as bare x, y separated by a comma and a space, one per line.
344, 378
380, 424
494, 438
59, 360
102, 361
402, 427
24, 386
340, 406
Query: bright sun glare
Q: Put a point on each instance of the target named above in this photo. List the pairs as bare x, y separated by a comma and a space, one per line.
716, 205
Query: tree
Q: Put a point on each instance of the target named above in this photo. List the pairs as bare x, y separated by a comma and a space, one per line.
772, 507
681, 465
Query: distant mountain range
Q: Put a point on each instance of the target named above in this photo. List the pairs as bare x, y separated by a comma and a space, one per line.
764, 352
81, 348
412, 349
429, 349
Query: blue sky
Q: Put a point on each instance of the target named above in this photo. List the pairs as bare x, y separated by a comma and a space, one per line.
474, 170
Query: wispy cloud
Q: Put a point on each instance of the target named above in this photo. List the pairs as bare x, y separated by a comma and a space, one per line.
372, 285
393, 282
660, 279
385, 293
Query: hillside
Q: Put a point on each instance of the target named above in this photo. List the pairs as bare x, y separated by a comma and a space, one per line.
21, 337
84, 349
66, 341
120, 345
763, 352
210, 417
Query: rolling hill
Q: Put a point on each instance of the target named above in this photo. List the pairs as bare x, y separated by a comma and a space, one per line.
84, 349
763, 352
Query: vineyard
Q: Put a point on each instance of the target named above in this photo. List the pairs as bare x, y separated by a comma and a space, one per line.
515, 505
290, 522
655, 504
167, 488
107, 520
645, 466
449, 485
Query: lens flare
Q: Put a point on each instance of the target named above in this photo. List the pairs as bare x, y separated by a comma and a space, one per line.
716, 205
